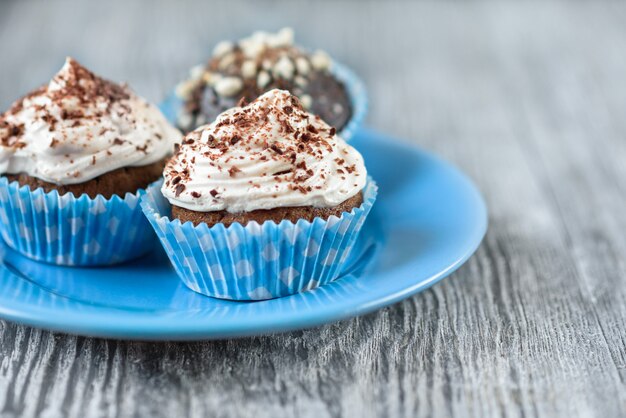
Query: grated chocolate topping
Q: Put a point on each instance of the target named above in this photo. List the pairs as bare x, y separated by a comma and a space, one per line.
271, 143
82, 119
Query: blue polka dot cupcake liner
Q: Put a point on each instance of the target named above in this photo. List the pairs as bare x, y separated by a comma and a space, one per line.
358, 98
257, 262
70, 230
357, 93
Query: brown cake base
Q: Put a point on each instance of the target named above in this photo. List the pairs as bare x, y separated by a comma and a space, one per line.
292, 214
118, 182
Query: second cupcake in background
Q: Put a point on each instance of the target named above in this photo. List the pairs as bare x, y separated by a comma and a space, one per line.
74, 156
265, 61
264, 202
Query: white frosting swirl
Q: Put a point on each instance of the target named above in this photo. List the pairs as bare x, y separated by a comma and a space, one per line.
79, 127
270, 153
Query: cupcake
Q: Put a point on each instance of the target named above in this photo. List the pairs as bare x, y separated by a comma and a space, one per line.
75, 155
264, 202
260, 63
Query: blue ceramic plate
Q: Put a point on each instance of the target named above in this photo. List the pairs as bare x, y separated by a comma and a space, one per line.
428, 219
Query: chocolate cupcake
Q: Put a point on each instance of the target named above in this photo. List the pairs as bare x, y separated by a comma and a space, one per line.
80, 148
267, 190
255, 65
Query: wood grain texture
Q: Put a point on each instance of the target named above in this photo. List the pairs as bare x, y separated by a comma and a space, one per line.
529, 99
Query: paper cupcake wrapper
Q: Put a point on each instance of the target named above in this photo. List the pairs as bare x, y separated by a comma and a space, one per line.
358, 98
70, 230
256, 262
357, 93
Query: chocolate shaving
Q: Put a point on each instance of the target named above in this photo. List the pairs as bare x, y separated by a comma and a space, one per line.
71, 114
276, 149
17, 130
287, 127
233, 170
223, 122
280, 173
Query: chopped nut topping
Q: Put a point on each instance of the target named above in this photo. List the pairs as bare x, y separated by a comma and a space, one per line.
228, 86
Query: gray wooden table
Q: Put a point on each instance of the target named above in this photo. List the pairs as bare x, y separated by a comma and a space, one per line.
529, 99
